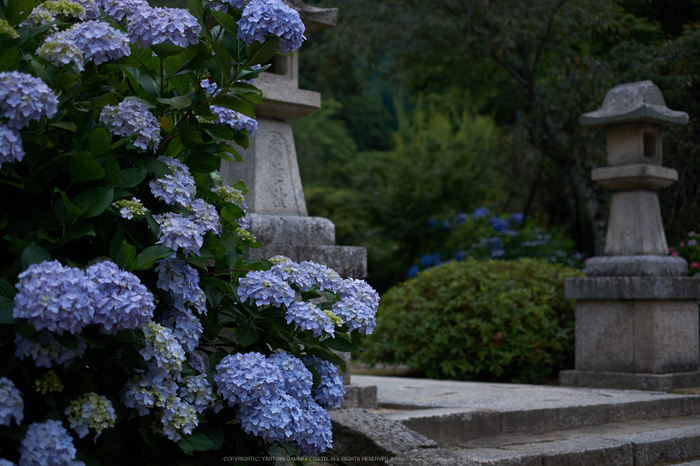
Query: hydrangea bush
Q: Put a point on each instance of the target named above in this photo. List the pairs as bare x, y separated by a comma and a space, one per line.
132, 329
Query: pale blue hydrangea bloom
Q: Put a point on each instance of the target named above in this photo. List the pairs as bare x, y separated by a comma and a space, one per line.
294, 273
177, 418
324, 278
307, 316
4, 462
234, 119
118, 9
330, 393
51, 296
150, 26
48, 350
11, 403
297, 380
182, 281
273, 17
185, 326
131, 116
11, 148
145, 391
120, 300
314, 434
276, 419
90, 411
24, 97
356, 315
165, 351
177, 188
205, 216
178, 232
244, 379
234, 196
99, 42
198, 392
361, 291
47, 444
60, 49
265, 289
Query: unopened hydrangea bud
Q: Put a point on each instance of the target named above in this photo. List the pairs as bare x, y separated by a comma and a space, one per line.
60, 49
49, 382
90, 411
337, 321
63, 8
235, 196
129, 208
6, 29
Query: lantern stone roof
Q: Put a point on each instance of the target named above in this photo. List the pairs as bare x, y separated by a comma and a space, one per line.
634, 103
314, 18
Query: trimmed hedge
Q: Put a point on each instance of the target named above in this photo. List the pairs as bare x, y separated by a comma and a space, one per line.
505, 321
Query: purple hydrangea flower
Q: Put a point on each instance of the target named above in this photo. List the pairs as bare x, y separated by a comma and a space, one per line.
205, 216
120, 300
47, 350
11, 149
198, 392
323, 277
47, 444
244, 379
150, 26
4, 462
51, 296
60, 49
271, 17
178, 188
182, 281
131, 116
234, 119
307, 316
100, 42
11, 403
265, 288
178, 232
166, 351
118, 9
330, 392
24, 97
90, 411
297, 380
185, 326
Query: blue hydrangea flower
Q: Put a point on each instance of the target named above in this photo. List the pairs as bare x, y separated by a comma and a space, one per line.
90, 411
4, 462
146, 391
47, 444
164, 349
99, 42
51, 296
38, 17
185, 326
24, 97
356, 315
234, 119
314, 433
276, 419
11, 148
498, 224
297, 380
413, 271
198, 392
11, 403
150, 26
360, 290
60, 49
48, 350
307, 316
323, 277
294, 273
205, 216
461, 218
273, 17
178, 232
331, 391
244, 379
480, 212
118, 9
131, 116
265, 289
176, 189
120, 300
182, 281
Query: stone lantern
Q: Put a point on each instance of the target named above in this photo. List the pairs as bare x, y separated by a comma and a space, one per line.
637, 310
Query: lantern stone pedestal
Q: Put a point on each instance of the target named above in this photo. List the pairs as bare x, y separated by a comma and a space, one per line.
637, 310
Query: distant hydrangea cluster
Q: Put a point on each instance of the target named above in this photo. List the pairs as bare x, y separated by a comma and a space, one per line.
272, 396
47, 444
307, 316
271, 17
178, 232
120, 300
90, 411
48, 350
99, 42
119, 9
150, 26
265, 289
165, 351
129, 208
331, 391
131, 116
24, 97
11, 403
51, 296
182, 282
205, 216
185, 326
175, 189
11, 149
235, 120
60, 49
235, 196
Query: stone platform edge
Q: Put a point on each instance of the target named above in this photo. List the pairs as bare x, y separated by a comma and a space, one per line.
629, 380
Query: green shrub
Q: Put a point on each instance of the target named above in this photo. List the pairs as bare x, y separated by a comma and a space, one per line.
505, 321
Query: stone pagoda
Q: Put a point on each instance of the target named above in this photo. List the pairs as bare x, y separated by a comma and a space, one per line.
637, 310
